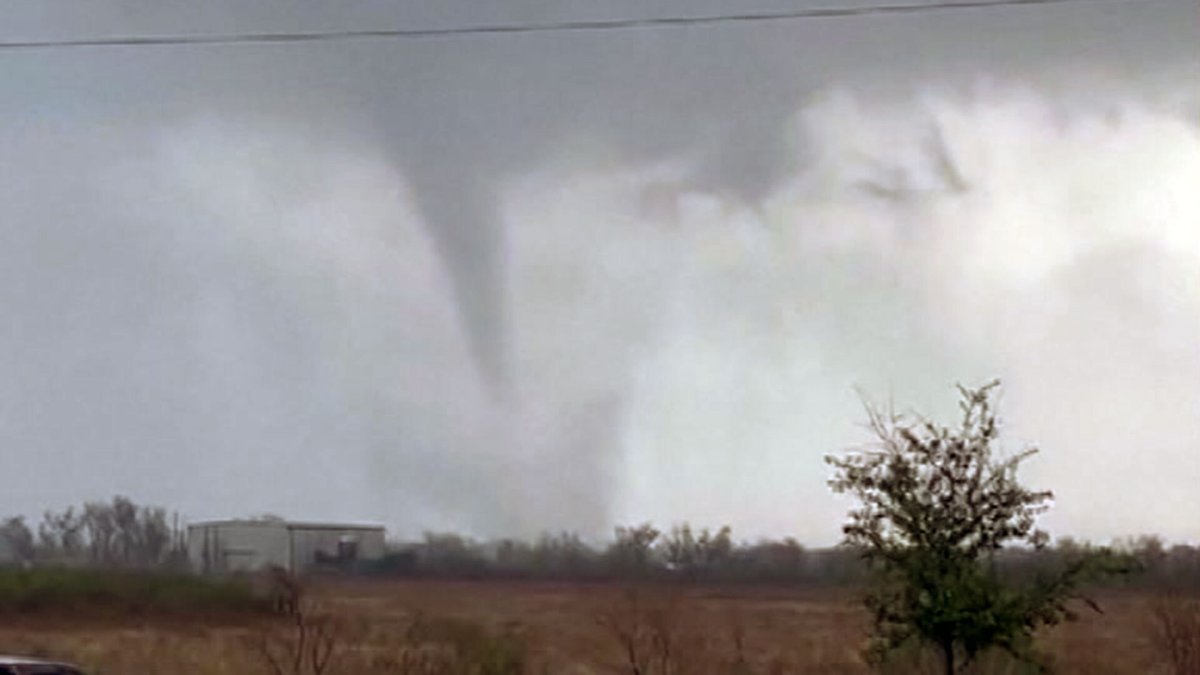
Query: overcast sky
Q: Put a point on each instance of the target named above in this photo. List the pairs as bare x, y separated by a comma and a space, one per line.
510, 283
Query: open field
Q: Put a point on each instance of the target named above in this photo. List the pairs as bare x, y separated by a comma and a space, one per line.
543, 627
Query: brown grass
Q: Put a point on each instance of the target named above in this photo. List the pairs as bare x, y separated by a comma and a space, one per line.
1176, 632
493, 628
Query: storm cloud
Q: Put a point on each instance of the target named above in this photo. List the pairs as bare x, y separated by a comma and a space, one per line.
504, 284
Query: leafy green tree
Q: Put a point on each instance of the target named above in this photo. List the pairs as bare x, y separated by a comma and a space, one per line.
936, 504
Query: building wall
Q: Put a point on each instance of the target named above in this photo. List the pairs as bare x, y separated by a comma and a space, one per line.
310, 544
237, 546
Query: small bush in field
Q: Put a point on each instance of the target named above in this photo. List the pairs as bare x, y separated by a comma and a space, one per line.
658, 632
469, 648
307, 644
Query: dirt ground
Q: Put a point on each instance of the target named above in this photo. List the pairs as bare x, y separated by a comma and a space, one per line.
575, 629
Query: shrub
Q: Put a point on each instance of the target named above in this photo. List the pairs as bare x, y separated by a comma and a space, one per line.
55, 589
937, 504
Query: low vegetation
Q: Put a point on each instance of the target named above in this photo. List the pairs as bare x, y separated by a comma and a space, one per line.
1176, 631
60, 591
430, 627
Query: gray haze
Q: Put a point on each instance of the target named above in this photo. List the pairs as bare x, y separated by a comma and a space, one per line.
504, 284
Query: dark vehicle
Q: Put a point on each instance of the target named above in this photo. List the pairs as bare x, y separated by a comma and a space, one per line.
20, 665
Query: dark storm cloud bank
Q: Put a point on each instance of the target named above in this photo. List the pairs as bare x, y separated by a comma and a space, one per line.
287, 278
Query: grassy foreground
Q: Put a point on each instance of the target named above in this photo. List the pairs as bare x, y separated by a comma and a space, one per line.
496, 628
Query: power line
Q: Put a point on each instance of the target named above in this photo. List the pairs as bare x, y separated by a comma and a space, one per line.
267, 38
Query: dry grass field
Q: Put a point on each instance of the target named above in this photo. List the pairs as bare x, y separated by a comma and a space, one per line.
493, 628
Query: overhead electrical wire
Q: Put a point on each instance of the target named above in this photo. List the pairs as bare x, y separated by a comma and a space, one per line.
591, 25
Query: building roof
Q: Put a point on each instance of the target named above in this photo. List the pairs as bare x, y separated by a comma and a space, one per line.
290, 524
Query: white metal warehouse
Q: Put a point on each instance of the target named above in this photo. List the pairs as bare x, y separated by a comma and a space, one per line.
220, 546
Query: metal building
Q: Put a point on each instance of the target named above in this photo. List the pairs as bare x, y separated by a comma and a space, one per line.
221, 546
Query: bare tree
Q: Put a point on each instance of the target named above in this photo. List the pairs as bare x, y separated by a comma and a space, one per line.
101, 531
19, 538
697, 555
633, 549
61, 534
306, 645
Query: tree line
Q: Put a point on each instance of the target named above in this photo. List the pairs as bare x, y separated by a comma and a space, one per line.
116, 533
640, 552
121, 533
683, 553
